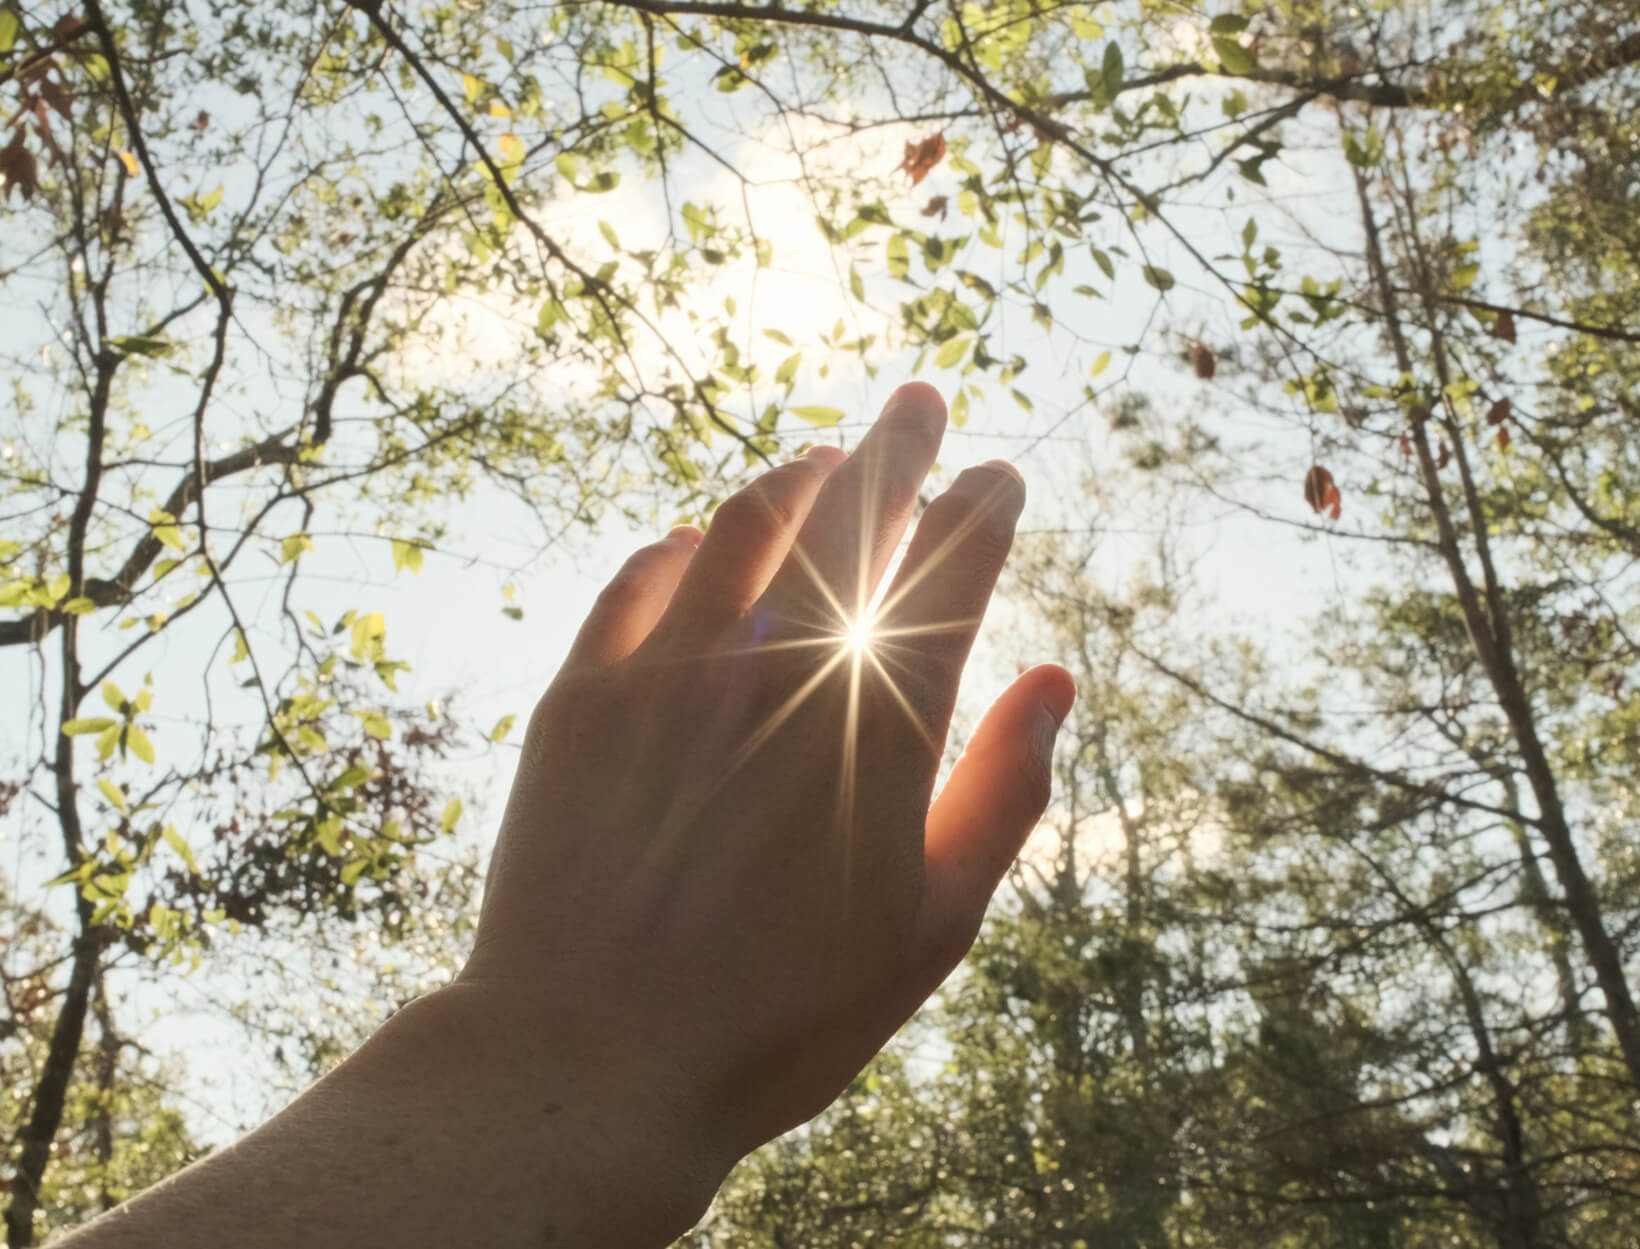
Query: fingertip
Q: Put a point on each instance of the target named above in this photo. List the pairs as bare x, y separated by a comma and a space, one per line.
1006, 467
1055, 687
826, 454
917, 401
689, 535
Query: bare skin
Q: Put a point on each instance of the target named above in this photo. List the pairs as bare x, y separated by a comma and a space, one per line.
720, 885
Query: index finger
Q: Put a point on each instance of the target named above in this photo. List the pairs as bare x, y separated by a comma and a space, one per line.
932, 612
851, 531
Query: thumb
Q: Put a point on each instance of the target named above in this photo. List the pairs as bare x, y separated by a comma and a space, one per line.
996, 794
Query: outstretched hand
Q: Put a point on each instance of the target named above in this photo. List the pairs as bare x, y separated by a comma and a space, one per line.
721, 823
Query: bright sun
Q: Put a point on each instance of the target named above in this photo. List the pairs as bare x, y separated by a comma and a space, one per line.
859, 636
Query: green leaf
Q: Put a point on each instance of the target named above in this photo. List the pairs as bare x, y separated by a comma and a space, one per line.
951, 354
610, 237
353, 869
788, 368
139, 744
899, 256
112, 792
1161, 279
184, 851
78, 728
1228, 24
1113, 70
816, 415
114, 697
1102, 259
502, 727
294, 546
139, 345
406, 555
8, 30
1235, 58
452, 813
1101, 364
959, 408
375, 724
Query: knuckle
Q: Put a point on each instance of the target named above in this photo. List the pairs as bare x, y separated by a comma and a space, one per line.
765, 506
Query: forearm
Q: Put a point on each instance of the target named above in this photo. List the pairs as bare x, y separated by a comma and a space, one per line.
451, 1126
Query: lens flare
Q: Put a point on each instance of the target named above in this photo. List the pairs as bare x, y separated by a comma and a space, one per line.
860, 636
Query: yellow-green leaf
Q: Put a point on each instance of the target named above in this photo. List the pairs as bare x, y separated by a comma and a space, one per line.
1101, 364
406, 555
139, 744
375, 724
818, 415
952, 352
114, 697
502, 727
112, 792
130, 163
184, 851
452, 813
75, 728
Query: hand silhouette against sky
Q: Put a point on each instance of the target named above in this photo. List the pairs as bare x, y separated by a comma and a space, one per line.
720, 885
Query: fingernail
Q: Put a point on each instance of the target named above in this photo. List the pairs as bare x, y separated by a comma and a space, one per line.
826, 453
1044, 732
685, 533
1007, 468
1060, 697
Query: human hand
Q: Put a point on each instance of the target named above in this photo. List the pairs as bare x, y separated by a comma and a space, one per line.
719, 858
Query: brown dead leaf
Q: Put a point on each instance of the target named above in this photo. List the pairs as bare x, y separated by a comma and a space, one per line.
1443, 457
17, 166
936, 206
1205, 361
1321, 492
1504, 326
58, 96
1503, 438
920, 158
1499, 412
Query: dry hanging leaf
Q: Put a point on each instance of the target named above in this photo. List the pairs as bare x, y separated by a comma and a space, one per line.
1406, 446
1321, 492
1504, 326
1205, 361
17, 166
937, 205
1503, 438
1444, 457
920, 158
57, 95
130, 163
1499, 412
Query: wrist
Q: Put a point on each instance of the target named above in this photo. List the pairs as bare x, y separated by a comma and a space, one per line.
566, 1122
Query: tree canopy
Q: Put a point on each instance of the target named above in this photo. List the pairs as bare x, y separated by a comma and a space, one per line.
1330, 937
